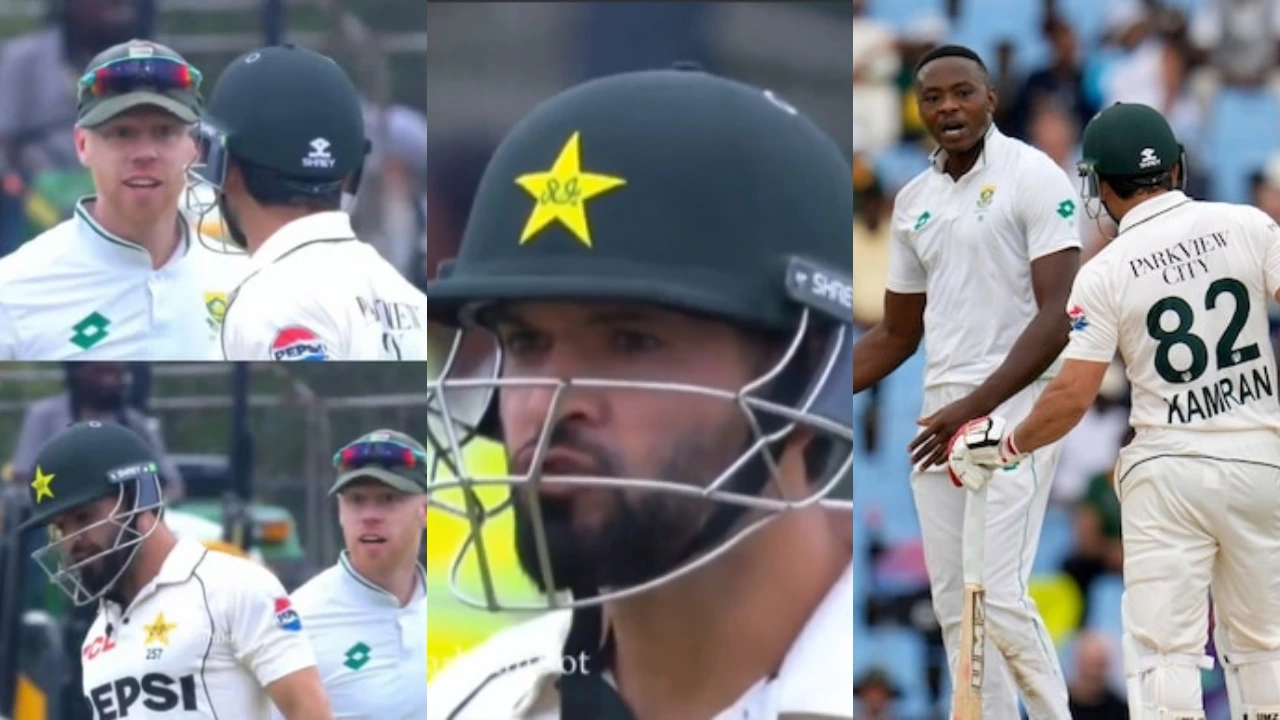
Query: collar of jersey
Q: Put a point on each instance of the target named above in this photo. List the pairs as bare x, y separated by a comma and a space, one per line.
334, 225
818, 665
118, 247
177, 567
366, 585
1150, 208
990, 143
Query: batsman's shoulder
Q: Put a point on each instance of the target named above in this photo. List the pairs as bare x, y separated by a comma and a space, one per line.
491, 679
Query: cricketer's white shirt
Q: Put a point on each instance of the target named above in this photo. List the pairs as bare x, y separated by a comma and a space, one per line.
317, 292
371, 652
513, 674
78, 292
1182, 295
202, 640
968, 245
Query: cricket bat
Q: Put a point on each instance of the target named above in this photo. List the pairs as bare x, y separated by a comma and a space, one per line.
966, 702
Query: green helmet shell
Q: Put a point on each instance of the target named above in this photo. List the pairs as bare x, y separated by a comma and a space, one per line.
674, 187
291, 110
1129, 140
83, 463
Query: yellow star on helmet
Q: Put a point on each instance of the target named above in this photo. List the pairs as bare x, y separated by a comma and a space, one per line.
41, 485
562, 192
158, 631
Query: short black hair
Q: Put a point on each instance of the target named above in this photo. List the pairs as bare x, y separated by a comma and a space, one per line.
946, 51
271, 188
1128, 186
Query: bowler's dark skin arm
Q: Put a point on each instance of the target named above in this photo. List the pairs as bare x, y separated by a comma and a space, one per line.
1035, 350
891, 342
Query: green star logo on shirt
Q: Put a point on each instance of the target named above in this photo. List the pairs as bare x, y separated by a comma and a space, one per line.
358, 656
90, 331
922, 221
1066, 209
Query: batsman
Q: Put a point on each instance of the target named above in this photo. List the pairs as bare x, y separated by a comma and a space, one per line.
987, 234
1182, 294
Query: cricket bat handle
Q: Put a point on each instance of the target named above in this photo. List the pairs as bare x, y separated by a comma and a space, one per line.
966, 703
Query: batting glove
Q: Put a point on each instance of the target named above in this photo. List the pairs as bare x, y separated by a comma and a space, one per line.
978, 449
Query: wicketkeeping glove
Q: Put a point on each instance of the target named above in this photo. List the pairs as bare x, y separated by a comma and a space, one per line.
979, 448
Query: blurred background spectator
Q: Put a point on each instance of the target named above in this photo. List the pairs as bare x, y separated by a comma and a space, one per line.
1213, 68
46, 44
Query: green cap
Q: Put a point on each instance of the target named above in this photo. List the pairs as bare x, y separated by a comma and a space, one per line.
410, 478
670, 187
85, 462
94, 110
1130, 140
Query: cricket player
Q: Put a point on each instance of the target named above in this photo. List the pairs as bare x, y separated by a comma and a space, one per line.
128, 277
367, 615
984, 247
181, 632
1182, 295
663, 259
282, 143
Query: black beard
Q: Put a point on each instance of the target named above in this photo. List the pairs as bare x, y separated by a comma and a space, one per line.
238, 238
105, 574
643, 538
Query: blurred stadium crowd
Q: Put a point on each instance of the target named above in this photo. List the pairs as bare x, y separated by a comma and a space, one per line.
1213, 68
46, 44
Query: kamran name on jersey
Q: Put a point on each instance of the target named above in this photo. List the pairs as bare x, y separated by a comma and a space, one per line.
114, 700
1182, 261
1206, 401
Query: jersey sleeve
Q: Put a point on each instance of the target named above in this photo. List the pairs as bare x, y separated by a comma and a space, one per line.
264, 326
266, 631
1048, 209
1263, 230
906, 274
1093, 318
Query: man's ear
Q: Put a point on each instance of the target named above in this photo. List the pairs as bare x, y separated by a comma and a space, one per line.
82, 150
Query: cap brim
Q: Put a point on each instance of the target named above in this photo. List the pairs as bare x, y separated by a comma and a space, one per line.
111, 107
382, 475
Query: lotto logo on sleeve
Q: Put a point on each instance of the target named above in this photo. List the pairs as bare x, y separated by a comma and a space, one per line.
298, 343
1076, 315
286, 617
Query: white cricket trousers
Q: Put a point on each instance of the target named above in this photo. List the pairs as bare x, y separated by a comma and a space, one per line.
1201, 511
1016, 503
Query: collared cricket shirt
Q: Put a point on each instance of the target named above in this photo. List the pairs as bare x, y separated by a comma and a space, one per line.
372, 653
513, 674
202, 640
79, 292
316, 292
968, 245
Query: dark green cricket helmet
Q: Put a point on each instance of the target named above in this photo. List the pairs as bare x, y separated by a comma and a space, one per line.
674, 188
84, 463
671, 186
287, 109
1130, 141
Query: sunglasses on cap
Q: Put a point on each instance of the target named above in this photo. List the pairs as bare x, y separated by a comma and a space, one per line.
129, 74
384, 454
